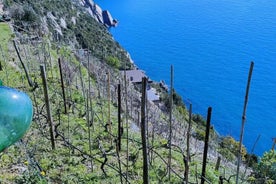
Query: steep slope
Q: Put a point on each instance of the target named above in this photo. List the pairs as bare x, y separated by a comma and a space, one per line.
83, 111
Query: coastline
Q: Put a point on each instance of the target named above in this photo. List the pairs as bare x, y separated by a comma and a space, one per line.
199, 61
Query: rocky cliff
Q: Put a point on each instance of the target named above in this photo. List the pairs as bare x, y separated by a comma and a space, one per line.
102, 16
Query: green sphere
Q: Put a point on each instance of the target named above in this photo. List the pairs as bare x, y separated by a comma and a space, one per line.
16, 112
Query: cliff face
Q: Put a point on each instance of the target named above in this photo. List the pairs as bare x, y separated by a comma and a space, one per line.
102, 16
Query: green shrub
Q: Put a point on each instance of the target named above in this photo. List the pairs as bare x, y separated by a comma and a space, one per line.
226, 153
251, 160
199, 134
232, 145
113, 62
198, 119
211, 175
31, 178
29, 14
267, 166
23, 13
177, 99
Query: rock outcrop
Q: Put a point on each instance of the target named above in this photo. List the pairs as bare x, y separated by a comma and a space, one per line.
102, 16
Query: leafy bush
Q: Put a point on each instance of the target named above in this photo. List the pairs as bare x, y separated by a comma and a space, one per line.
199, 134
31, 177
251, 160
23, 13
232, 145
113, 62
177, 99
29, 14
199, 119
267, 166
16, 12
211, 175
226, 153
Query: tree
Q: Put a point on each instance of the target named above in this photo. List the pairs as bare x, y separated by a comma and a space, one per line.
265, 171
267, 166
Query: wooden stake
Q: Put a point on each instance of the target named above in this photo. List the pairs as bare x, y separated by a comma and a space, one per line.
109, 104
206, 144
143, 132
126, 112
89, 130
218, 163
89, 89
119, 117
81, 80
186, 174
62, 85
170, 125
47, 103
30, 82
152, 141
243, 119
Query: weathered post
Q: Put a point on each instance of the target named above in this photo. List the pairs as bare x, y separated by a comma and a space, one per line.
119, 117
81, 80
143, 132
126, 113
186, 174
218, 163
243, 119
47, 103
109, 104
170, 125
88, 126
206, 144
62, 86
30, 82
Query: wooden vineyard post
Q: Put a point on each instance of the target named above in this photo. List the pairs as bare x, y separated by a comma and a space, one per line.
218, 163
89, 130
109, 104
62, 86
89, 89
170, 125
127, 125
143, 132
243, 120
81, 80
186, 174
119, 118
206, 144
47, 103
30, 82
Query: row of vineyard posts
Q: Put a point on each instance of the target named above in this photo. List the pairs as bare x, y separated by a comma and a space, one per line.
122, 95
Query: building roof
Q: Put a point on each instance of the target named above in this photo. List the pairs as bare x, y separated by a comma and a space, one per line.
135, 76
152, 95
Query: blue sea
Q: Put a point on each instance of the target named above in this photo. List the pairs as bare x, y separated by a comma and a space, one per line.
210, 43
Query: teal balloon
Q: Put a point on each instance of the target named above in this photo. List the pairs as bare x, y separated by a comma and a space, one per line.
16, 112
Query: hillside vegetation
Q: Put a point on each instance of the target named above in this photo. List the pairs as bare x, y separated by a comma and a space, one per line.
82, 63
